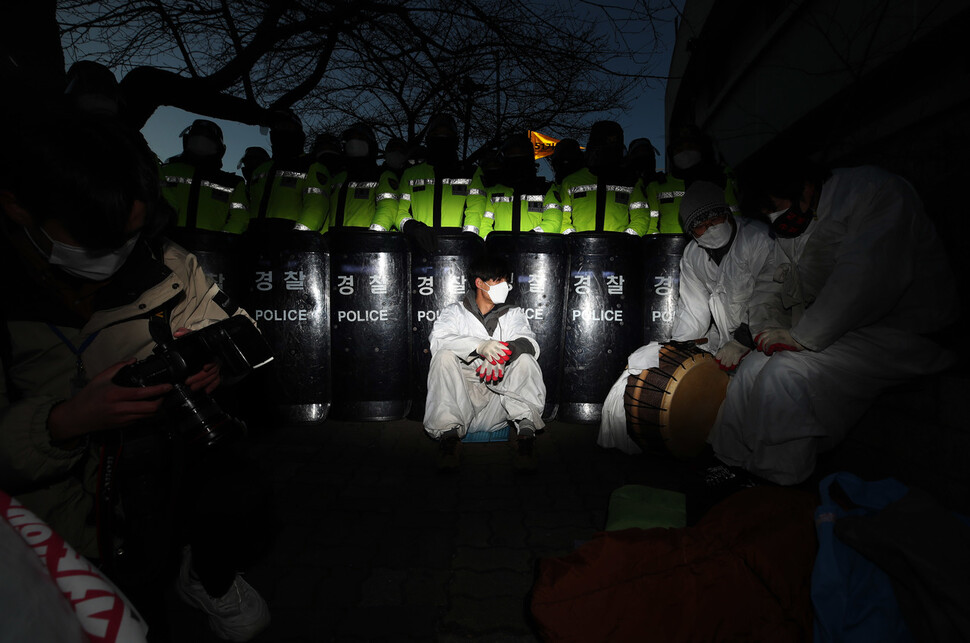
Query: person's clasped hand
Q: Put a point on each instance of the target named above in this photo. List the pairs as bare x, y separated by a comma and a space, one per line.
494, 351
490, 373
775, 340
731, 355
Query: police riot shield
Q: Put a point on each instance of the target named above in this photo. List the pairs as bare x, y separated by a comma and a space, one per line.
540, 263
661, 284
603, 319
288, 297
219, 257
437, 280
369, 324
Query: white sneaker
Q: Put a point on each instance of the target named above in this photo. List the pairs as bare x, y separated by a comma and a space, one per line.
238, 615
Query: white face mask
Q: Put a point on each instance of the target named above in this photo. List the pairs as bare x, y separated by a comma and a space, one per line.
715, 236
499, 292
687, 159
356, 149
85, 263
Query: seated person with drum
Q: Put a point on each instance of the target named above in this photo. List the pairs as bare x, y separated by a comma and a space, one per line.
484, 372
673, 403
862, 280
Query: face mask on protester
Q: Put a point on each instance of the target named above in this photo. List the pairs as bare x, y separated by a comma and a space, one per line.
715, 236
687, 159
356, 149
85, 263
499, 292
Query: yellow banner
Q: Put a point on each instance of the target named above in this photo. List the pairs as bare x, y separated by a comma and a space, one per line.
544, 145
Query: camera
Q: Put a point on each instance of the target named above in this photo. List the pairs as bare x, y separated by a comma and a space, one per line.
235, 344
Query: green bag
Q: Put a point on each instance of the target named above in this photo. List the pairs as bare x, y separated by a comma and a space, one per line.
636, 505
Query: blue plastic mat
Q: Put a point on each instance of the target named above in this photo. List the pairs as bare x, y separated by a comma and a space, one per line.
502, 435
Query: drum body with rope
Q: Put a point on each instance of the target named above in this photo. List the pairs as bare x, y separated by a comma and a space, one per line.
673, 406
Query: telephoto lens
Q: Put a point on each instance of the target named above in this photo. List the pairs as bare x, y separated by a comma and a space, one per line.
235, 344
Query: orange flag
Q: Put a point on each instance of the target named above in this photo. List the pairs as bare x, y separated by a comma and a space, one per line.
544, 145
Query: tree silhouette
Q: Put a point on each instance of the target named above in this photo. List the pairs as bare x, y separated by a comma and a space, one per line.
497, 65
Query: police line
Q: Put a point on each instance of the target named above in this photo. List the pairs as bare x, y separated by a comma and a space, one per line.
348, 314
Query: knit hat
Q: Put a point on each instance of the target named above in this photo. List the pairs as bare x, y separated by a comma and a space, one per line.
702, 201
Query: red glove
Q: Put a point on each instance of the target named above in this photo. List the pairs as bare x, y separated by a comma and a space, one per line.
490, 373
777, 339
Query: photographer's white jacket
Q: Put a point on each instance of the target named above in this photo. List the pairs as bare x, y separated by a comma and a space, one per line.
38, 367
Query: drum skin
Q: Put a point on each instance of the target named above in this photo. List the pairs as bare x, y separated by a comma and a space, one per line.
672, 407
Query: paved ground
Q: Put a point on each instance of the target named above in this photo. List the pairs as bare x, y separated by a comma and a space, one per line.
374, 545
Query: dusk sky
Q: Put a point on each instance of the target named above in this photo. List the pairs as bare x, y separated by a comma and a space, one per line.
644, 119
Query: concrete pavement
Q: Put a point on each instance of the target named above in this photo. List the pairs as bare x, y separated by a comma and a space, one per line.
375, 545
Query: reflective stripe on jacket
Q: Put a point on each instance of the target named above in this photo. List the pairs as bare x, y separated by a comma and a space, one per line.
624, 206
206, 199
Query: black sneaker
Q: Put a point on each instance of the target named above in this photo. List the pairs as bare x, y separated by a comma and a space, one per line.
525, 460
449, 452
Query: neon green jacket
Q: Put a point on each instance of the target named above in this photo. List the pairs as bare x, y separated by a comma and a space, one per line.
462, 199
625, 208
363, 204
294, 189
537, 209
663, 199
206, 199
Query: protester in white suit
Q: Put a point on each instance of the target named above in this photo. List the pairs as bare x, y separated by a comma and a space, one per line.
484, 372
861, 285
727, 260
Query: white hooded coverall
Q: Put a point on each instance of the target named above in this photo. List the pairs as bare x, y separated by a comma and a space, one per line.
864, 284
721, 293
456, 396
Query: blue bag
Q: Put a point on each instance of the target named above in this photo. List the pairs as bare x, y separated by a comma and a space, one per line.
853, 599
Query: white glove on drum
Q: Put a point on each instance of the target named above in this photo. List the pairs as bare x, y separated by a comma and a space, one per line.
731, 355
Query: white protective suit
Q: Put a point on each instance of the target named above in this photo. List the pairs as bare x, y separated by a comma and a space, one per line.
456, 396
721, 293
865, 284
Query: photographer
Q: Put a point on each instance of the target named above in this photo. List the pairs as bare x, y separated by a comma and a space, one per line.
89, 289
